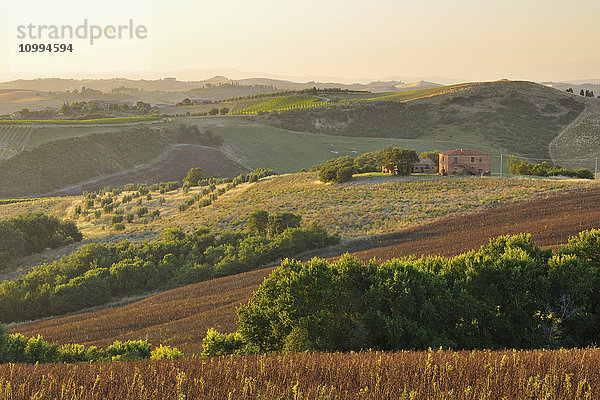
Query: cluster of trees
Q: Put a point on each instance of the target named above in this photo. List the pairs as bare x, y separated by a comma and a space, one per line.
396, 160
520, 167
32, 233
508, 294
586, 92
17, 348
97, 273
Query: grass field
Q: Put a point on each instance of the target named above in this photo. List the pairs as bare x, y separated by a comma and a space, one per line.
285, 151
366, 205
578, 146
443, 375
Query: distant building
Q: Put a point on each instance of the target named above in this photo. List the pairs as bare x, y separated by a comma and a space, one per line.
425, 165
465, 162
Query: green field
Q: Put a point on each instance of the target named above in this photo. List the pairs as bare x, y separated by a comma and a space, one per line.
47, 134
284, 103
289, 151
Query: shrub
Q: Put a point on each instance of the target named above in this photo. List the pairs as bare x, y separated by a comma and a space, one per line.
129, 351
218, 344
165, 353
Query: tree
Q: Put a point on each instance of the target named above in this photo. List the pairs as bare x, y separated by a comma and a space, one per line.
279, 222
224, 110
337, 170
193, 176
12, 244
397, 160
213, 111
258, 221
570, 90
186, 102
582, 92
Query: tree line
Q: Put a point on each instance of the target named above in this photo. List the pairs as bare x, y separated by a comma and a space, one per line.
508, 294
31, 233
97, 273
520, 167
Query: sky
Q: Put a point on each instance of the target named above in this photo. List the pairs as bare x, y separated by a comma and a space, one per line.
467, 40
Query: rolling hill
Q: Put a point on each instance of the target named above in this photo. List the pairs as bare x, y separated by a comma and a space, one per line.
181, 317
299, 130
517, 117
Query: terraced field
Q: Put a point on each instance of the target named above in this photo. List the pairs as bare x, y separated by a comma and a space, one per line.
13, 139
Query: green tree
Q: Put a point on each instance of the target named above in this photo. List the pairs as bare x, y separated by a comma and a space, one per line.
186, 102
224, 111
258, 221
279, 222
194, 176
213, 111
337, 170
397, 160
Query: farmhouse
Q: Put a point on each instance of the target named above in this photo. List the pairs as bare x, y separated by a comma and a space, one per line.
425, 165
465, 162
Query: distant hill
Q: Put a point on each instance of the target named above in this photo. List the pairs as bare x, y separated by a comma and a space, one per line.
417, 85
514, 116
174, 85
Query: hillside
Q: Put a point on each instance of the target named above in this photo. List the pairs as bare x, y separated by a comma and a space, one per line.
63, 163
195, 308
367, 205
578, 145
517, 117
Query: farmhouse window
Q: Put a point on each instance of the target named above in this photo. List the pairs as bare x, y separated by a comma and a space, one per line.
455, 160
472, 159
480, 159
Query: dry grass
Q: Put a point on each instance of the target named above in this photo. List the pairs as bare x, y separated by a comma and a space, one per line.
557, 375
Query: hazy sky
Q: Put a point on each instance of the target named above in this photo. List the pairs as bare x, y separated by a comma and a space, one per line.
465, 39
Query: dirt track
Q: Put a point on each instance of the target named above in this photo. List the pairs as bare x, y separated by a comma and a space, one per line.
181, 317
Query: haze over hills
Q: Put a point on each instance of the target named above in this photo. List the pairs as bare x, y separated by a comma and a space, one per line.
172, 84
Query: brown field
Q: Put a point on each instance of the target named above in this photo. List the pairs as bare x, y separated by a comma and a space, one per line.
556, 375
173, 167
181, 317
21, 96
